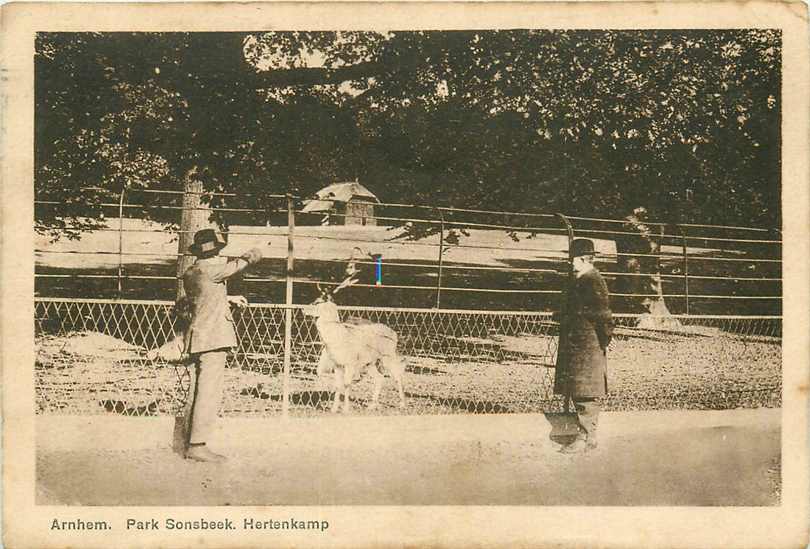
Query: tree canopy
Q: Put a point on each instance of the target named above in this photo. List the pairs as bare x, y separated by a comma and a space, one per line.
584, 122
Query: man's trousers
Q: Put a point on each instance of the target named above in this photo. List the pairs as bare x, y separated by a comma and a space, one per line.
588, 415
205, 394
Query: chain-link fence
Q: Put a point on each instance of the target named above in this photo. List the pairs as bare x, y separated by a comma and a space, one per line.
93, 357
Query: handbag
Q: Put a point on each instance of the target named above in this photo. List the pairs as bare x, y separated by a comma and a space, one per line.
564, 425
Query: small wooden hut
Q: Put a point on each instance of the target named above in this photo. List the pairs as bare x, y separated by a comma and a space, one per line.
348, 203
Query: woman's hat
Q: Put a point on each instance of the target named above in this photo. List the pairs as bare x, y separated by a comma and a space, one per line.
581, 246
206, 241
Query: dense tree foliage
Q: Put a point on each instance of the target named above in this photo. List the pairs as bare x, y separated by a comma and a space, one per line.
585, 122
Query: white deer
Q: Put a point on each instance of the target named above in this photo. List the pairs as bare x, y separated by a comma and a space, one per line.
352, 348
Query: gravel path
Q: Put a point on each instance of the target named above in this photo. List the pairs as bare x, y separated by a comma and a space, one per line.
644, 458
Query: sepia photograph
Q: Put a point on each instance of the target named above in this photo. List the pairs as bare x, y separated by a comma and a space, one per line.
401, 266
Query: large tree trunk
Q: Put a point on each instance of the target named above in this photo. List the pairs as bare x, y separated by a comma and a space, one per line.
657, 315
194, 217
643, 283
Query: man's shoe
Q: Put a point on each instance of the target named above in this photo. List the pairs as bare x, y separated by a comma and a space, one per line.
202, 453
576, 447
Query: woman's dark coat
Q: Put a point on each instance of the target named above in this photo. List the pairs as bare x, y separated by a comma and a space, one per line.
586, 327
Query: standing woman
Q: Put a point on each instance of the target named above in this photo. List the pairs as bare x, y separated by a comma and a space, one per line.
586, 328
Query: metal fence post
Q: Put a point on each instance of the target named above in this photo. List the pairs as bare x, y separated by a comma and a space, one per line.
441, 260
685, 266
570, 230
285, 405
121, 238
657, 278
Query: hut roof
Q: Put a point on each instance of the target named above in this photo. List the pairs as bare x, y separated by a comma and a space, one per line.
338, 192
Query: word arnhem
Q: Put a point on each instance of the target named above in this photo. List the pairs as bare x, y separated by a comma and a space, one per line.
79, 524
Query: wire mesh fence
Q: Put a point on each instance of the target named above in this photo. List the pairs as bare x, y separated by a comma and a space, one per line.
99, 356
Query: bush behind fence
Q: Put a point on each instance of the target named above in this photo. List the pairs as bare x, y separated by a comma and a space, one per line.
92, 359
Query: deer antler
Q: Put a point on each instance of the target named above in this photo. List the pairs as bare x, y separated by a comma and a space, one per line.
348, 281
351, 275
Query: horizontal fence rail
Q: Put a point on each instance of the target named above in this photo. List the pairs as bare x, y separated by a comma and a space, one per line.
430, 256
99, 356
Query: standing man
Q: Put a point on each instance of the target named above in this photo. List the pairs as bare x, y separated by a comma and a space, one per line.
586, 327
210, 334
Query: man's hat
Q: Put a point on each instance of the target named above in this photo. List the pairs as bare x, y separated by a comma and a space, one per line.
206, 241
581, 246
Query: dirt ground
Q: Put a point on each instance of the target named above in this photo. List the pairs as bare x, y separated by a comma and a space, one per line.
492, 373
644, 458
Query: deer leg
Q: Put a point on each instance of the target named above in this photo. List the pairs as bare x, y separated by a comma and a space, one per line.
324, 364
347, 381
378, 381
338, 385
400, 372
395, 366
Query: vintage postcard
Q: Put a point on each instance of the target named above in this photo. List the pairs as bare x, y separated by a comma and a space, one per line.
405, 274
